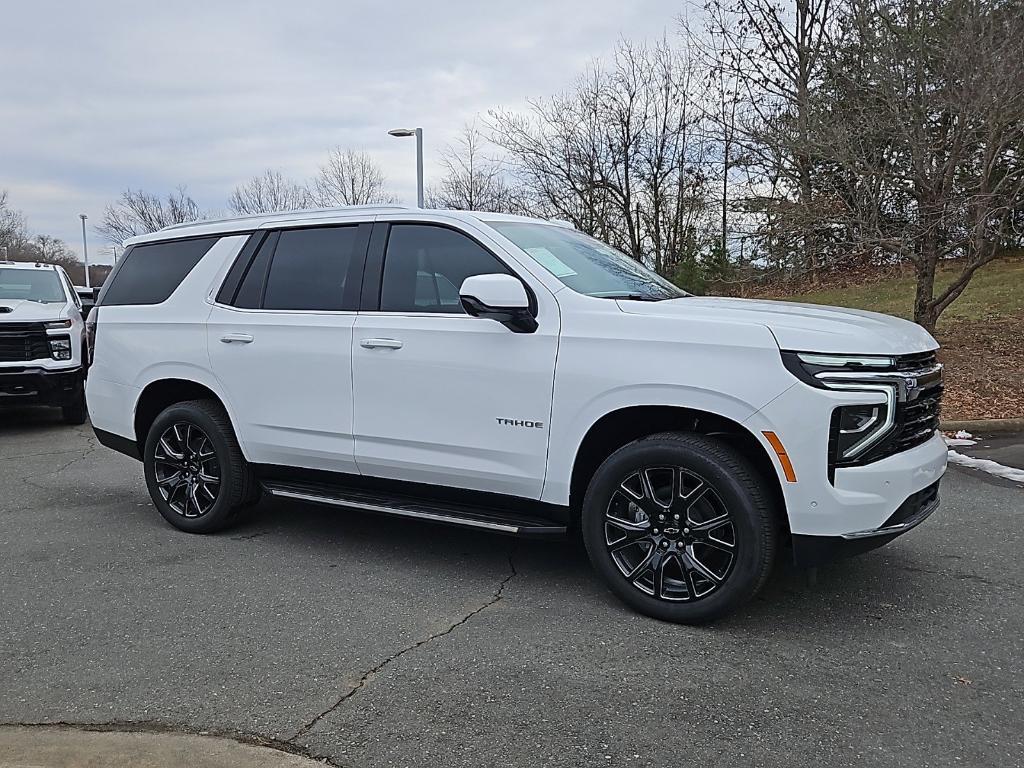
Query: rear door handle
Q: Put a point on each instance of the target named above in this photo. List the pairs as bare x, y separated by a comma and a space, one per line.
237, 338
380, 344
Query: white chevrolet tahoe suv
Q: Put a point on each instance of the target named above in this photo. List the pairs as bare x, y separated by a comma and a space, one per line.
516, 376
41, 339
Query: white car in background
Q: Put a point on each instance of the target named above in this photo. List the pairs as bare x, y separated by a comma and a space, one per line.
41, 339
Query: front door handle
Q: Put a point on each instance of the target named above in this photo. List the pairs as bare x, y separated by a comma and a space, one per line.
237, 338
380, 344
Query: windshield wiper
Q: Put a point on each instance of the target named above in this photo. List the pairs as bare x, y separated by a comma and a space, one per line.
629, 296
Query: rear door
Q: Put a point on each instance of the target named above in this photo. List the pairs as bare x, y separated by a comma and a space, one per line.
280, 341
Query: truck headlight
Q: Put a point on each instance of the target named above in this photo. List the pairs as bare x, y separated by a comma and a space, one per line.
60, 348
57, 324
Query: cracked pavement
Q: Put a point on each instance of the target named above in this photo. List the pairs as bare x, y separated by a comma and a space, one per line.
368, 641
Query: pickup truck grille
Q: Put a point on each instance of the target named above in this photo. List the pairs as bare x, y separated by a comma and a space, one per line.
22, 342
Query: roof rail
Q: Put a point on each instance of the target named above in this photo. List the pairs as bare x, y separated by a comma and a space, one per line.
277, 214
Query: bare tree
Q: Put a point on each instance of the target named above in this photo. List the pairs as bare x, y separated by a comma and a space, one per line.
349, 178
53, 250
474, 180
619, 155
14, 236
777, 51
138, 212
267, 193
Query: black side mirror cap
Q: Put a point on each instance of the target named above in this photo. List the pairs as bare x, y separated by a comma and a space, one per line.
516, 319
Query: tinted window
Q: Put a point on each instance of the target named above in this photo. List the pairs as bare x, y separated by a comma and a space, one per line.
425, 266
250, 292
310, 269
148, 274
226, 294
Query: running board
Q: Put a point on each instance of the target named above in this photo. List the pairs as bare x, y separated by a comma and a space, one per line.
490, 519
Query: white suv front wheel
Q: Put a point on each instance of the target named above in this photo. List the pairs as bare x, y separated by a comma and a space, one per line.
680, 526
195, 471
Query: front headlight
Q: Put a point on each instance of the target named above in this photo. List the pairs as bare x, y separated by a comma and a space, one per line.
60, 348
57, 325
855, 428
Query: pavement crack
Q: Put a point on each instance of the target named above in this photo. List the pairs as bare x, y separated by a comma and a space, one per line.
496, 597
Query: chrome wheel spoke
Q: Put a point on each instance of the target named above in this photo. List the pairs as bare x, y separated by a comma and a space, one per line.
186, 469
670, 534
643, 565
692, 563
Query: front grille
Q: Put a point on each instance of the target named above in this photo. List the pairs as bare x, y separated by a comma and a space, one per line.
916, 417
915, 362
22, 342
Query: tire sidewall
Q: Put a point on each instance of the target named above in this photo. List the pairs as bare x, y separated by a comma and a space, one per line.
743, 502
223, 508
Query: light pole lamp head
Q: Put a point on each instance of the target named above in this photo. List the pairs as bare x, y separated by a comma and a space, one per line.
402, 132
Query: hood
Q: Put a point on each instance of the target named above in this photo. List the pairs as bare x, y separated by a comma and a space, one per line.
802, 327
22, 311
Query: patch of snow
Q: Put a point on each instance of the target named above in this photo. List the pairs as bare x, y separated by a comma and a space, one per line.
958, 441
963, 434
986, 465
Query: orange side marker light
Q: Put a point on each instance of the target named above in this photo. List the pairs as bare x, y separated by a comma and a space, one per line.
780, 451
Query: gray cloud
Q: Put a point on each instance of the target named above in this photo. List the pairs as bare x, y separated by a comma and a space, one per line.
96, 97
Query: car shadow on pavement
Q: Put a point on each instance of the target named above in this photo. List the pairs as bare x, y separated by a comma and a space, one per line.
862, 591
15, 420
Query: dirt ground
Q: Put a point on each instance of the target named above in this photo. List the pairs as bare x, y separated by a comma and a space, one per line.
984, 369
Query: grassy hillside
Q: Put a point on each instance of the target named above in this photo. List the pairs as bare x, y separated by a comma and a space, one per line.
982, 334
997, 290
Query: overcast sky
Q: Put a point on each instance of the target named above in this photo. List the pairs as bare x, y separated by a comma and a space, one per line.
99, 96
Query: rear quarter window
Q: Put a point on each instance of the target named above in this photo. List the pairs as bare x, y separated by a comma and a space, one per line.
150, 273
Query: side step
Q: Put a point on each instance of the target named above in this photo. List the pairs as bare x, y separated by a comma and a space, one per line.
491, 519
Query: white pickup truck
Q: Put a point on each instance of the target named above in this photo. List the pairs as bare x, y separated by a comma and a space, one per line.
516, 376
41, 339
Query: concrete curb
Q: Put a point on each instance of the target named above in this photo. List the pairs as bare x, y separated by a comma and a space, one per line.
989, 426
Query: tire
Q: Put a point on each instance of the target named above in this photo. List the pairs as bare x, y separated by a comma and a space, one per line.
76, 412
195, 440
696, 568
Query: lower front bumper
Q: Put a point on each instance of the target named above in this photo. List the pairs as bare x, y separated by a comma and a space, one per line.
38, 386
810, 551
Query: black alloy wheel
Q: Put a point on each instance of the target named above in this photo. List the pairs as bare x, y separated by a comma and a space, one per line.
670, 534
187, 470
196, 473
680, 526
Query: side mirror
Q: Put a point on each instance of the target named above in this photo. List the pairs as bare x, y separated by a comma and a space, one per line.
498, 297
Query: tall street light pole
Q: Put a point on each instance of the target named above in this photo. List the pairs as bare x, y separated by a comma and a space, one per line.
85, 250
418, 133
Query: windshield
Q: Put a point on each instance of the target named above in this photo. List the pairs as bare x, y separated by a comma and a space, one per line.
587, 265
41, 285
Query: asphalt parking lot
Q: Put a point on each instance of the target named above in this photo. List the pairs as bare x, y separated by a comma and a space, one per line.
376, 642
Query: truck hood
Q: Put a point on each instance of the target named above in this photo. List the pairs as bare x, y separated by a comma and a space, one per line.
801, 327
21, 311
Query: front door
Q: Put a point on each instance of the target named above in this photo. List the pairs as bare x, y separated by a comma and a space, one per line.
442, 397
282, 347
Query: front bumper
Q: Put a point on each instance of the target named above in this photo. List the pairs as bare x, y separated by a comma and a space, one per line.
860, 498
810, 551
39, 386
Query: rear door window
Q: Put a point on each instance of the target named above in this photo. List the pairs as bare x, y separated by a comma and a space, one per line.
150, 273
312, 269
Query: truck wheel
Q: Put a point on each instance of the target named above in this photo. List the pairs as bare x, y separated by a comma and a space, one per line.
75, 412
680, 526
195, 471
